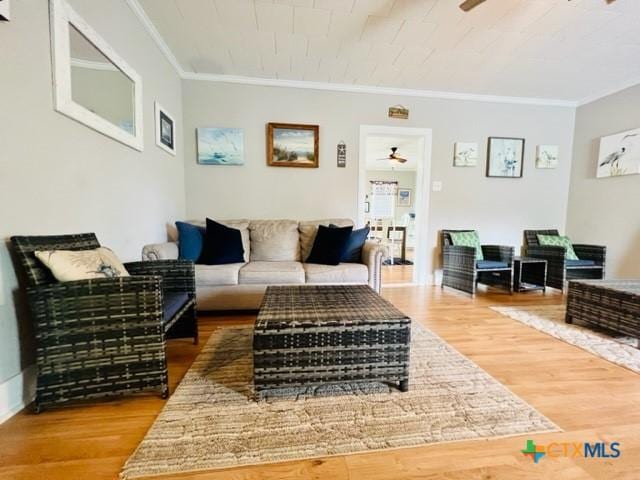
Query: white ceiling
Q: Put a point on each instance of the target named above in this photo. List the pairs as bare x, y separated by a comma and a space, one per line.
378, 147
523, 48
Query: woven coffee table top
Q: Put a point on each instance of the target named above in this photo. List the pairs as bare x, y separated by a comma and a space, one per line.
325, 305
627, 286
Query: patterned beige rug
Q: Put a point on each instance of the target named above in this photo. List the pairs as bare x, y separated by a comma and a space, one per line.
212, 421
616, 348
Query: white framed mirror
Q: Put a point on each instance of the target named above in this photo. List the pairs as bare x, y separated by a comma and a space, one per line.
92, 83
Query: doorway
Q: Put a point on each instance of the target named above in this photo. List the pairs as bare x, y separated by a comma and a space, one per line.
393, 197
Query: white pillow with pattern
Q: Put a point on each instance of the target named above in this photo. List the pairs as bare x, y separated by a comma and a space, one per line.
70, 265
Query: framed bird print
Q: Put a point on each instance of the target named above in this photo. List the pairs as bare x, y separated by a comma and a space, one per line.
505, 157
619, 154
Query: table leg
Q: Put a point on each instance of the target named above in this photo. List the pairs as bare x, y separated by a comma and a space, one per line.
404, 385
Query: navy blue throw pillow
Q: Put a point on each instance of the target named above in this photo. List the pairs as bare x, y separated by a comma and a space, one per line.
222, 245
330, 244
353, 251
190, 241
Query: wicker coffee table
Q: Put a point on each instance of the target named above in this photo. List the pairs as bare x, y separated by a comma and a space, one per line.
311, 335
610, 304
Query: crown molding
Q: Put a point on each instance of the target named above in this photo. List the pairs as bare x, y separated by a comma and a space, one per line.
355, 88
155, 35
611, 91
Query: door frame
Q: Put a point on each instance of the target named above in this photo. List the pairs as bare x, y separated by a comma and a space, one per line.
422, 194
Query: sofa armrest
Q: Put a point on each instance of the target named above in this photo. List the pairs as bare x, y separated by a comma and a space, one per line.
160, 251
372, 255
498, 253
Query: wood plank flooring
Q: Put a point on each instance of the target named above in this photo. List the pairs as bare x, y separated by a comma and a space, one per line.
589, 398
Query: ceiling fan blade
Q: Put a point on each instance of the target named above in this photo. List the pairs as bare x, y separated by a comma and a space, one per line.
469, 4
383, 159
400, 159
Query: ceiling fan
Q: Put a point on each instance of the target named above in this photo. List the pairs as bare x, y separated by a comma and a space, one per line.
393, 157
470, 4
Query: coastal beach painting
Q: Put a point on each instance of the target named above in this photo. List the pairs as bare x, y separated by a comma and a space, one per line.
290, 145
220, 146
619, 154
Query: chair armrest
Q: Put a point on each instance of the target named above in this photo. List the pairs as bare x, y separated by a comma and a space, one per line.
597, 253
77, 309
160, 251
372, 254
498, 253
458, 257
178, 275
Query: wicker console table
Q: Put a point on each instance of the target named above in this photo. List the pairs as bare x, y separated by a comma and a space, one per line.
311, 335
610, 304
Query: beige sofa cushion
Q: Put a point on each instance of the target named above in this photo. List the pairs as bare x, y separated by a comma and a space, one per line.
216, 275
309, 229
242, 225
274, 240
343, 273
272, 273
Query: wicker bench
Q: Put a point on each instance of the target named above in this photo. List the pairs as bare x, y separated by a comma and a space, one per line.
312, 335
610, 304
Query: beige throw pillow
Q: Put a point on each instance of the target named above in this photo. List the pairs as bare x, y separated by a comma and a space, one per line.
70, 265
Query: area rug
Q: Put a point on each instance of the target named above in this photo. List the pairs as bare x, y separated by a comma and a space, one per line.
616, 348
212, 420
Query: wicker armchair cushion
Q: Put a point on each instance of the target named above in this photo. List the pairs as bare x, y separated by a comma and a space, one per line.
72, 265
580, 263
490, 265
173, 302
559, 241
468, 239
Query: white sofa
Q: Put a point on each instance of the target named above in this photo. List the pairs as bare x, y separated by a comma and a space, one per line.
273, 255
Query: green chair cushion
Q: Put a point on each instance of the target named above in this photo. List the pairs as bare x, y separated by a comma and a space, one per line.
468, 239
559, 241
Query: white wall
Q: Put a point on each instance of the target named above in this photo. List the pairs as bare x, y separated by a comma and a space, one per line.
58, 176
499, 208
606, 211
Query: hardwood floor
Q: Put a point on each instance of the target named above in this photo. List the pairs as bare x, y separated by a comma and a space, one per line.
589, 398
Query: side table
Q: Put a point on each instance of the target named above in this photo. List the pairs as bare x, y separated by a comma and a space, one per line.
529, 274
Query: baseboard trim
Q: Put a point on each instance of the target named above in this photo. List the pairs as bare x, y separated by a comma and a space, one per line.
17, 392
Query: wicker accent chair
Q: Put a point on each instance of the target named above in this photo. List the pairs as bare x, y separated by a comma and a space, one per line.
105, 336
559, 269
461, 270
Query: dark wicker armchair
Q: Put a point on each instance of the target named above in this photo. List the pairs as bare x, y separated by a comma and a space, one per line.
106, 336
461, 270
590, 265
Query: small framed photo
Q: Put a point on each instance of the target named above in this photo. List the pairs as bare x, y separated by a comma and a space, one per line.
465, 154
366, 207
404, 197
165, 130
547, 156
505, 157
292, 145
4, 10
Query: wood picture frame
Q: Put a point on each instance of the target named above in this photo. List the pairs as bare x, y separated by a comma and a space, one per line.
292, 145
505, 157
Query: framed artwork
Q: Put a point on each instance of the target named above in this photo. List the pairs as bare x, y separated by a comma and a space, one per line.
4, 10
619, 154
404, 197
292, 145
165, 130
547, 156
505, 157
465, 154
366, 207
220, 146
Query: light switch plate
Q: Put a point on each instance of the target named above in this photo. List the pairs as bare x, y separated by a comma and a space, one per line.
4, 10
436, 186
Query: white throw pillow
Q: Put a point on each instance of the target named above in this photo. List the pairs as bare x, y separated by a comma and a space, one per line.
70, 265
